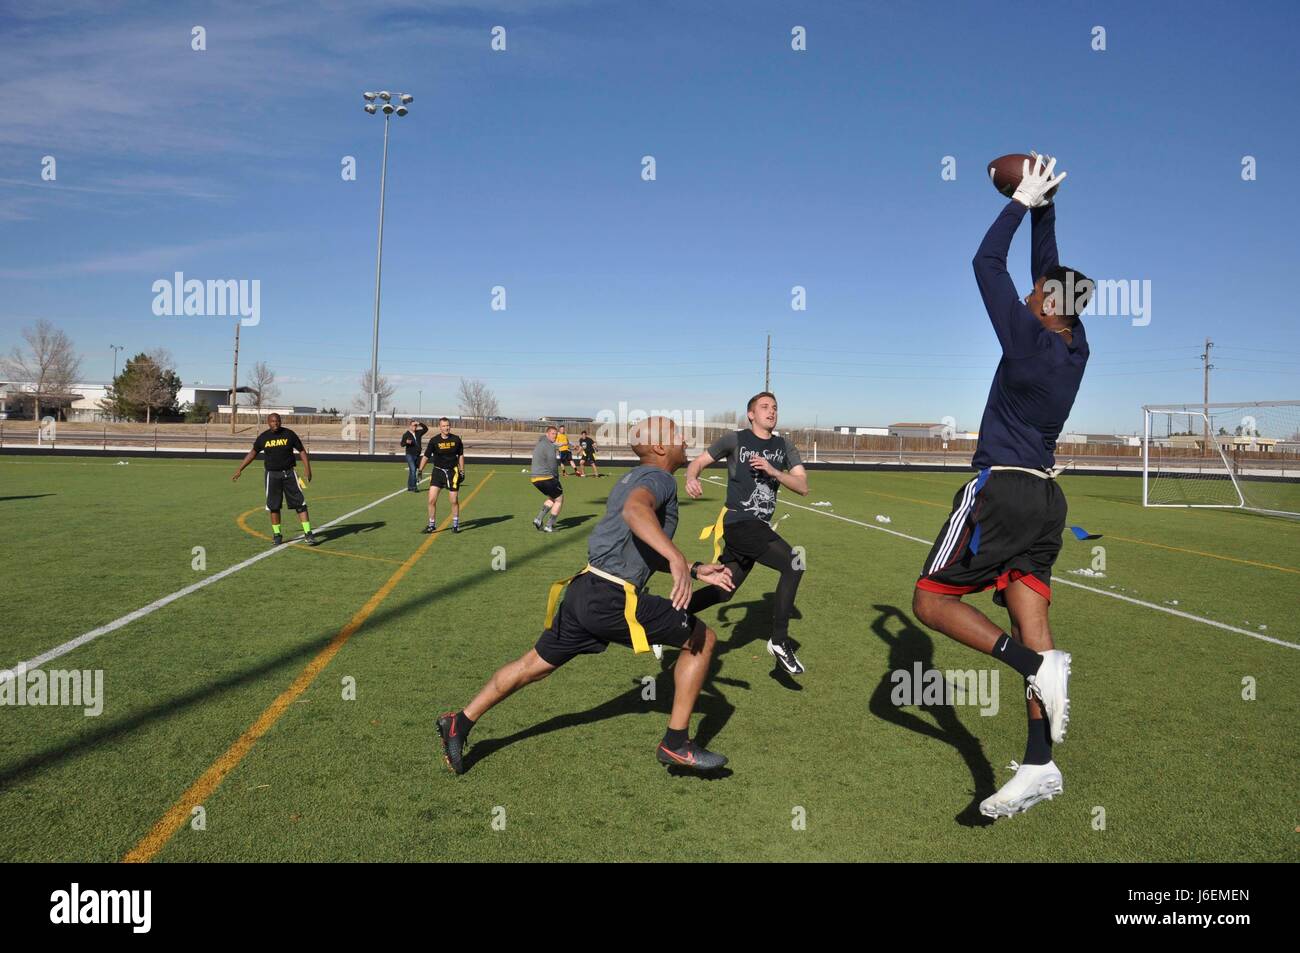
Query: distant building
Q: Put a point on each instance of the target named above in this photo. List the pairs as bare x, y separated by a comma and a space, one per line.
83, 401
863, 431
566, 421
1235, 443
917, 430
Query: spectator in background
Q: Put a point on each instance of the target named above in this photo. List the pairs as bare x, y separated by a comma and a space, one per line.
411, 438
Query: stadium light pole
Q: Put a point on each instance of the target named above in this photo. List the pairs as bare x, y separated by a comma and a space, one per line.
116, 348
373, 106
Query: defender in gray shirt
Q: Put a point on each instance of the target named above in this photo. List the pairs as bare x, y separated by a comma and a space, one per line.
604, 603
546, 477
759, 462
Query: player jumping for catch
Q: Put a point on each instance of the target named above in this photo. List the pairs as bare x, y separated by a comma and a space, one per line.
1004, 532
604, 602
758, 463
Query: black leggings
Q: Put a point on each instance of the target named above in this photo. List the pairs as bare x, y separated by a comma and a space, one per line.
765, 548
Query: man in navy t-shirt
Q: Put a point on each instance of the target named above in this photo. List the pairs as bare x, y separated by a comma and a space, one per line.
1004, 532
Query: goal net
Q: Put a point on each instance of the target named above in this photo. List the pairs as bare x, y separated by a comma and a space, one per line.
1244, 456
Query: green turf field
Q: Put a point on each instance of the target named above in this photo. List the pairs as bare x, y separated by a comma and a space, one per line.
1160, 736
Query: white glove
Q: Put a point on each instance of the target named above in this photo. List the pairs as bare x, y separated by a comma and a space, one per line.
1035, 183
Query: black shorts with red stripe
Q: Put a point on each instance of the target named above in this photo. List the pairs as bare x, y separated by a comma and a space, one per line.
1005, 526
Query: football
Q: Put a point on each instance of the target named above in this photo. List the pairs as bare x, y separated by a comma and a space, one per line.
1005, 173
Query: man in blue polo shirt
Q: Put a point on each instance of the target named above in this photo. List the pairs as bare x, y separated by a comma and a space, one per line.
1004, 532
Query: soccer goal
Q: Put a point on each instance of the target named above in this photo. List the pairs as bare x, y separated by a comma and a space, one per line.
1242, 456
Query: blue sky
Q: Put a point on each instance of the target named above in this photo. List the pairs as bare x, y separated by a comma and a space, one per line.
774, 169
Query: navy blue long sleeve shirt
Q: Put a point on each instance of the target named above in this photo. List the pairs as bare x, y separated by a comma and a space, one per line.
1039, 374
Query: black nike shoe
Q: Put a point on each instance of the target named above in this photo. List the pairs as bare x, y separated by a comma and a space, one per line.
429, 528
276, 539
783, 652
311, 540
453, 745
690, 755
455, 527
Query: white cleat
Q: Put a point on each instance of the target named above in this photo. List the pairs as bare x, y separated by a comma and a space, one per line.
658, 650
1032, 783
1052, 686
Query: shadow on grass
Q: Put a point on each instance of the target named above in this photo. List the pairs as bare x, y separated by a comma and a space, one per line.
713, 704
906, 648
110, 732
483, 521
755, 625
30, 496
571, 522
347, 529
713, 707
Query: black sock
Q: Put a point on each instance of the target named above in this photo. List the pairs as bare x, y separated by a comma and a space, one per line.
674, 738
1023, 660
1038, 749
463, 724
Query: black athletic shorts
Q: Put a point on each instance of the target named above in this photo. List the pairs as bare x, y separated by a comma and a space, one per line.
566, 457
550, 487
591, 617
744, 541
589, 457
1005, 525
283, 483
447, 479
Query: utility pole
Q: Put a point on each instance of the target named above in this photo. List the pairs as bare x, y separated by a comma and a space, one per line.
116, 348
1205, 398
767, 366
234, 382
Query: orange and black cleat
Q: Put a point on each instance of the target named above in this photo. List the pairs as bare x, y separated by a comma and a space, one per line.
690, 755
453, 744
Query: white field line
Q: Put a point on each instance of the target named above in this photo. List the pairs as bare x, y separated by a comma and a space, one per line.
1056, 579
68, 646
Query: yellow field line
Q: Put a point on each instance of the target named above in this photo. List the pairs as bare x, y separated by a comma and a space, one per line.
211, 779
942, 506
241, 522
1197, 552
1126, 539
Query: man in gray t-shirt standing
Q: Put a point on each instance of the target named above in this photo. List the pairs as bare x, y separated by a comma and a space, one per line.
546, 477
759, 462
604, 603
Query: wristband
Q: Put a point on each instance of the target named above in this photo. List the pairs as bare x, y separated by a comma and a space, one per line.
694, 567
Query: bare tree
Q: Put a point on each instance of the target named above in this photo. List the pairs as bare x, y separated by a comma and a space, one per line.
49, 364
476, 400
385, 390
265, 390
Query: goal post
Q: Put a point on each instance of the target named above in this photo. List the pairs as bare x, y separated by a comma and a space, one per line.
1242, 455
